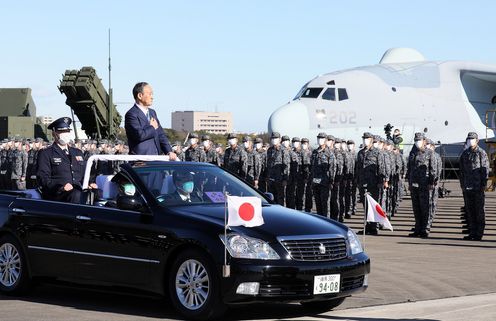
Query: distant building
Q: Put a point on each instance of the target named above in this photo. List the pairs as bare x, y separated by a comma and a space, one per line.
213, 122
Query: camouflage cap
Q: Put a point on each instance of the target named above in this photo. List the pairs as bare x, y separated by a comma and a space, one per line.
350, 141
429, 141
176, 143
472, 135
322, 135
258, 140
275, 135
246, 139
389, 142
367, 135
285, 138
193, 135
205, 137
304, 140
377, 138
338, 140
330, 137
295, 139
419, 136
232, 135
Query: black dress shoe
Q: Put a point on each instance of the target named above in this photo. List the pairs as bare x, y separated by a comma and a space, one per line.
466, 231
468, 238
424, 235
347, 216
477, 238
371, 232
341, 220
414, 234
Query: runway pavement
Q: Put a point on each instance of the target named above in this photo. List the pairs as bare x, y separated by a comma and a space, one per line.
439, 278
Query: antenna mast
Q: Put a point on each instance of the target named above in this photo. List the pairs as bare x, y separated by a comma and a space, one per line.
110, 98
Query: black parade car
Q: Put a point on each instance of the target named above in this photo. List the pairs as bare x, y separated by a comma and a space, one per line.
143, 232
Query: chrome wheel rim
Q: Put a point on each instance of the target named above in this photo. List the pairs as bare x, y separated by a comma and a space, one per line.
192, 284
10, 265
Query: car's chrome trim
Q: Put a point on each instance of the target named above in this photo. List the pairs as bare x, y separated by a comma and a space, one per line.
92, 254
309, 237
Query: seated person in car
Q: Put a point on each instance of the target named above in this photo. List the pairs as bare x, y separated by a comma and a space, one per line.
185, 191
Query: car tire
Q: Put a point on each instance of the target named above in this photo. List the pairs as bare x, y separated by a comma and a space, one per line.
196, 295
322, 306
14, 276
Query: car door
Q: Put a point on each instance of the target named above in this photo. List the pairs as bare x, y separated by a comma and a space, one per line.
48, 230
116, 247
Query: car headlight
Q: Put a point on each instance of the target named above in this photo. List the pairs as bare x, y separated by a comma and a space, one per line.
355, 245
244, 247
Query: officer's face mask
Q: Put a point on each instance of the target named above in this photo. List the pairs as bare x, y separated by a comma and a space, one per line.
64, 138
304, 146
337, 145
322, 141
232, 141
258, 145
472, 142
193, 141
206, 143
376, 145
351, 147
367, 141
188, 187
286, 143
129, 189
329, 143
275, 141
246, 144
419, 143
296, 144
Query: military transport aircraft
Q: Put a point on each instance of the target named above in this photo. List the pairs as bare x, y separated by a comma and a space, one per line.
444, 99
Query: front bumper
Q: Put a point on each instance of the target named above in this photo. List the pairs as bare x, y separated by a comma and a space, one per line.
289, 280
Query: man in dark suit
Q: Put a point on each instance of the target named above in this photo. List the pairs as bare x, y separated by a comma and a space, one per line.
144, 133
184, 189
61, 167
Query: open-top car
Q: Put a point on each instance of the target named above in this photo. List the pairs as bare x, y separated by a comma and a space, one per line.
159, 226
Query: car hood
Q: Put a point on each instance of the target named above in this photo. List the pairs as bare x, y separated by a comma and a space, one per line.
278, 221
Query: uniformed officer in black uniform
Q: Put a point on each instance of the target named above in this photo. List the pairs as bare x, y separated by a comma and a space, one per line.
60, 167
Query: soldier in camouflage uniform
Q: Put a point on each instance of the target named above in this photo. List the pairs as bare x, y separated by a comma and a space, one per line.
323, 174
262, 180
349, 177
294, 168
393, 169
334, 188
177, 148
195, 152
304, 195
5, 164
397, 182
435, 191
18, 166
219, 149
340, 147
210, 154
253, 161
371, 174
278, 162
31, 180
379, 143
474, 171
421, 175
235, 158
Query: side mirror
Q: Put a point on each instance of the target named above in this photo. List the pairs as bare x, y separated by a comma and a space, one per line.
131, 203
270, 196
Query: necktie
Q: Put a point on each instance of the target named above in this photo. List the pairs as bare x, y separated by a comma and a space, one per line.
148, 114
66, 151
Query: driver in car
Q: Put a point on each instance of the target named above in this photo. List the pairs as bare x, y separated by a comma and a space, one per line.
184, 184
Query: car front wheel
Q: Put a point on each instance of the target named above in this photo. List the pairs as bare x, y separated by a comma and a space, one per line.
14, 278
194, 286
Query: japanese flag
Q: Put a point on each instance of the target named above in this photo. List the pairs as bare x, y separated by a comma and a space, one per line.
246, 211
376, 214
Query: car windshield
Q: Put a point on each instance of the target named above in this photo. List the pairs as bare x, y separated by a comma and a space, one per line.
192, 184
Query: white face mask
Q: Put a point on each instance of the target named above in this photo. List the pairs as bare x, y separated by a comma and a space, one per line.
206, 143
275, 141
304, 146
329, 143
419, 143
193, 141
296, 144
286, 143
472, 142
233, 141
64, 138
367, 141
322, 141
246, 144
351, 147
376, 145
337, 145
258, 145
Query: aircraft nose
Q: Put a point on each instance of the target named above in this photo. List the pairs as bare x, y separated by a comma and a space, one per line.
290, 119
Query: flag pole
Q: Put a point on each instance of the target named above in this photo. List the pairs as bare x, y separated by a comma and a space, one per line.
366, 208
226, 269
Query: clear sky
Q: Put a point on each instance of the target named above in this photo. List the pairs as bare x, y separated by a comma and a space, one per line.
246, 57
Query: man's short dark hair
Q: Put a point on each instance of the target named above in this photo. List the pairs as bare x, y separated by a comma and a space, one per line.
138, 88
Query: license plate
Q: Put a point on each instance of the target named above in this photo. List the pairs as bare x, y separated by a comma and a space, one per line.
323, 284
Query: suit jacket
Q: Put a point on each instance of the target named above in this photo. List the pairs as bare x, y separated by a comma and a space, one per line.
143, 139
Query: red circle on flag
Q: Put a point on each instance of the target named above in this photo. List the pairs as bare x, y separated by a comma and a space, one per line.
380, 211
246, 211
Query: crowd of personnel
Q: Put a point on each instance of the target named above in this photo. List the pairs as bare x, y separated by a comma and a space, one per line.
329, 176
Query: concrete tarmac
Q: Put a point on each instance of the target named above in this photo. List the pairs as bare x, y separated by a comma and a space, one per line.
439, 278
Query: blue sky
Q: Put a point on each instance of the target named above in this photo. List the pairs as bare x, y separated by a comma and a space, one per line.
246, 57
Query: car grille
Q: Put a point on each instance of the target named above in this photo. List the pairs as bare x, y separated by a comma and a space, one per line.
352, 283
312, 249
288, 290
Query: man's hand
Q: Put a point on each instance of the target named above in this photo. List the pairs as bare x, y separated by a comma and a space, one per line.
154, 123
93, 186
255, 184
68, 187
172, 156
386, 184
23, 179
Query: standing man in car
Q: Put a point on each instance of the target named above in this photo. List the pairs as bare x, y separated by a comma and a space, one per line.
61, 167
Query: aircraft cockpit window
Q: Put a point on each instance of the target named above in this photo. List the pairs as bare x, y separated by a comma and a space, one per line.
343, 95
329, 94
311, 92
